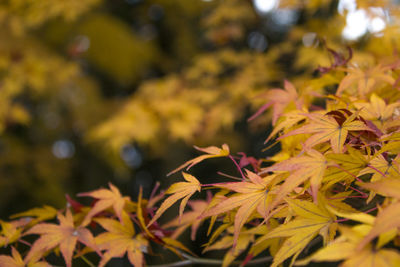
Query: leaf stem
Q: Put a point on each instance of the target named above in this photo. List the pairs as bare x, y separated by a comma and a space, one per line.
340, 168
355, 189
153, 192
237, 166
375, 169
229, 176
87, 261
348, 197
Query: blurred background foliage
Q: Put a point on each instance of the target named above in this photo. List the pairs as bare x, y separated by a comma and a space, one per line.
94, 91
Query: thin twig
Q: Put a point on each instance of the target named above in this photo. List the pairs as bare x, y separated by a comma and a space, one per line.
194, 260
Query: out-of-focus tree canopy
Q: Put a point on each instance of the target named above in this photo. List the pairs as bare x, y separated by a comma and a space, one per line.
95, 90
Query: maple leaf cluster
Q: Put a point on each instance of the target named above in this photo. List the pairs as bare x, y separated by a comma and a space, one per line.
335, 183
334, 187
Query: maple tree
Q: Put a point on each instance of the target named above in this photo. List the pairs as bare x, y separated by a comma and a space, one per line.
330, 194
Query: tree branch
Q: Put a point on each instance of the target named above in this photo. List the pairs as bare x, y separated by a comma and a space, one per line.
194, 260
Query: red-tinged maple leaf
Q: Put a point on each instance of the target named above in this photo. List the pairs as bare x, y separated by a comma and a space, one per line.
181, 190
65, 236
75, 205
249, 196
15, 260
105, 199
120, 239
338, 60
326, 128
279, 99
245, 160
212, 152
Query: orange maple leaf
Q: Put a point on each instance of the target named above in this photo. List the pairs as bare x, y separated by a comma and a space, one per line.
179, 190
212, 152
345, 248
366, 80
236, 247
286, 121
386, 220
119, 240
190, 218
279, 99
65, 236
376, 108
106, 199
387, 187
326, 128
249, 196
15, 260
306, 167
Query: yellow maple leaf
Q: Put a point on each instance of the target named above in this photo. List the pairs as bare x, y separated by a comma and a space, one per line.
325, 128
385, 221
388, 187
311, 221
236, 247
249, 196
119, 240
346, 166
181, 190
365, 80
344, 248
212, 152
65, 236
376, 109
306, 167
11, 231
188, 219
279, 99
41, 214
15, 260
106, 199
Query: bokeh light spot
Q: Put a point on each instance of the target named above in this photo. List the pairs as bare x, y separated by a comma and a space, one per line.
257, 41
63, 149
131, 156
265, 6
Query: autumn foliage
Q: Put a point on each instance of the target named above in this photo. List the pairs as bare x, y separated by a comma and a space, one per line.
330, 194
336, 177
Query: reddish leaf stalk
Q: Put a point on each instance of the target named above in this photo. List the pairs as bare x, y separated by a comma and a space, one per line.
237, 166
